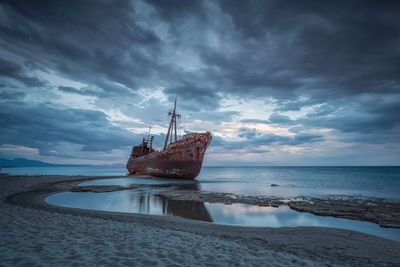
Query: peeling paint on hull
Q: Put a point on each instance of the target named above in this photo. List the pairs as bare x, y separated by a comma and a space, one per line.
182, 159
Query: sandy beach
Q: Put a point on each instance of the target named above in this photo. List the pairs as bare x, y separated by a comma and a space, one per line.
36, 234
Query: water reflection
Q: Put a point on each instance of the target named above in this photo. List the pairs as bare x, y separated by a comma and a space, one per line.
137, 181
148, 202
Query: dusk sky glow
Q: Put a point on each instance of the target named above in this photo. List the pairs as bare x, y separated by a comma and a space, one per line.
276, 82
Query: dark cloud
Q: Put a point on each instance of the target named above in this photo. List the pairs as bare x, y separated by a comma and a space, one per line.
43, 126
194, 98
276, 118
254, 121
90, 42
374, 115
312, 48
14, 71
212, 116
247, 133
178, 10
297, 104
390, 138
72, 90
255, 139
8, 95
336, 64
309, 52
99, 92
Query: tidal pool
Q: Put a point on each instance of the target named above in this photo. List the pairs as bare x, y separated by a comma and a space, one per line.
146, 202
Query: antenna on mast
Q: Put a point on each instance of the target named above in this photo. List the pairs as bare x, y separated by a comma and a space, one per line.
148, 135
172, 130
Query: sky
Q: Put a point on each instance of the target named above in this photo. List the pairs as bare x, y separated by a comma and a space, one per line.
276, 82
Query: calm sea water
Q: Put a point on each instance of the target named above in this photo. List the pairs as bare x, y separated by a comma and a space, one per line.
383, 182
147, 202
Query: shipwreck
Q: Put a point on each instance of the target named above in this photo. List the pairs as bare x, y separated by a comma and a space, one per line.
180, 158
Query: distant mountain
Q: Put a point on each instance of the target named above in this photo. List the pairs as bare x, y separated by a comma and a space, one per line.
21, 162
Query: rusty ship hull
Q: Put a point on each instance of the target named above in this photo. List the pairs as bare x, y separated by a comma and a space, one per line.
182, 159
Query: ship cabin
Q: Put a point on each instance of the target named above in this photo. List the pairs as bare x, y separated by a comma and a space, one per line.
143, 149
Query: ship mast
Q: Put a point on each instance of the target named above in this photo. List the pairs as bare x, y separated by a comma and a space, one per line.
172, 130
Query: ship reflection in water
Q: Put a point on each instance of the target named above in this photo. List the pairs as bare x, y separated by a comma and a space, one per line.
133, 201
148, 202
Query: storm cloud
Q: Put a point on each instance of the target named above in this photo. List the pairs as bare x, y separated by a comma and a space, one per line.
261, 75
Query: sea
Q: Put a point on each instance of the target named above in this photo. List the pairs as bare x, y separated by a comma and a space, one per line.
377, 182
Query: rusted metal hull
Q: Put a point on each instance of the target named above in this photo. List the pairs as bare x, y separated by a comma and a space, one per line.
182, 159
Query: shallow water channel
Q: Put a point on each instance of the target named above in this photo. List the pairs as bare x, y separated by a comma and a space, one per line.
147, 202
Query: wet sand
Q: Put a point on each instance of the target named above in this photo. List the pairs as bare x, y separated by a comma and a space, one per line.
34, 233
